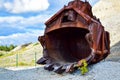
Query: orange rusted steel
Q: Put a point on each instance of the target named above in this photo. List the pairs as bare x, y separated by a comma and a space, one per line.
71, 35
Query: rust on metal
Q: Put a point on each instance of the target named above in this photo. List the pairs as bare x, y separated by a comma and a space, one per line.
73, 34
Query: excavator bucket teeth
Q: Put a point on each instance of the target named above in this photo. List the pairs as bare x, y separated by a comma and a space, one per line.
42, 61
59, 70
70, 68
49, 67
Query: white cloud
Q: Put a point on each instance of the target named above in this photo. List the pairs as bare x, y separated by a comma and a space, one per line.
21, 22
35, 20
21, 6
11, 19
21, 38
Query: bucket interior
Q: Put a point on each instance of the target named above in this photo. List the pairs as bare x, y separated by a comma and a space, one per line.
68, 44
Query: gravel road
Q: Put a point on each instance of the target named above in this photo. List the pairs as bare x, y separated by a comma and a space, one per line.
101, 71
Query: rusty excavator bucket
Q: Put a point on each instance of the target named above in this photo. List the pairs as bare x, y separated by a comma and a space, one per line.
71, 35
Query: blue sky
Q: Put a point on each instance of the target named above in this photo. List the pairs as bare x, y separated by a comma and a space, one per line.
22, 21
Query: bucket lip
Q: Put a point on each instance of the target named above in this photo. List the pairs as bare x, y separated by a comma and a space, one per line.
84, 28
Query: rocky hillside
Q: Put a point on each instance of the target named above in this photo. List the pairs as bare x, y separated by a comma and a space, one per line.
109, 13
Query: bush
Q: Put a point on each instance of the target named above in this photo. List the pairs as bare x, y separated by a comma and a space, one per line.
1, 54
7, 48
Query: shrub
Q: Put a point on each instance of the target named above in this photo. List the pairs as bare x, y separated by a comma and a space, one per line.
7, 48
1, 54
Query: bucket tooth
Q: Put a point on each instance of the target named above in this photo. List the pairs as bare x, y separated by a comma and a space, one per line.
70, 68
42, 61
59, 70
56, 66
48, 61
49, 67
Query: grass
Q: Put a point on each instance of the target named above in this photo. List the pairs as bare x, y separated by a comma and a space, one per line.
23, 64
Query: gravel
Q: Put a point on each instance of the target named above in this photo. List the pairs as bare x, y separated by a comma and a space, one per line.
106, 70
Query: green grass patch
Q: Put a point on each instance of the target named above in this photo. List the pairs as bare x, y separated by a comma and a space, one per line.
23, 64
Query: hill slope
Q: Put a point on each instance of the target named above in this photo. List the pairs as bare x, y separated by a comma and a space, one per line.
23, 55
